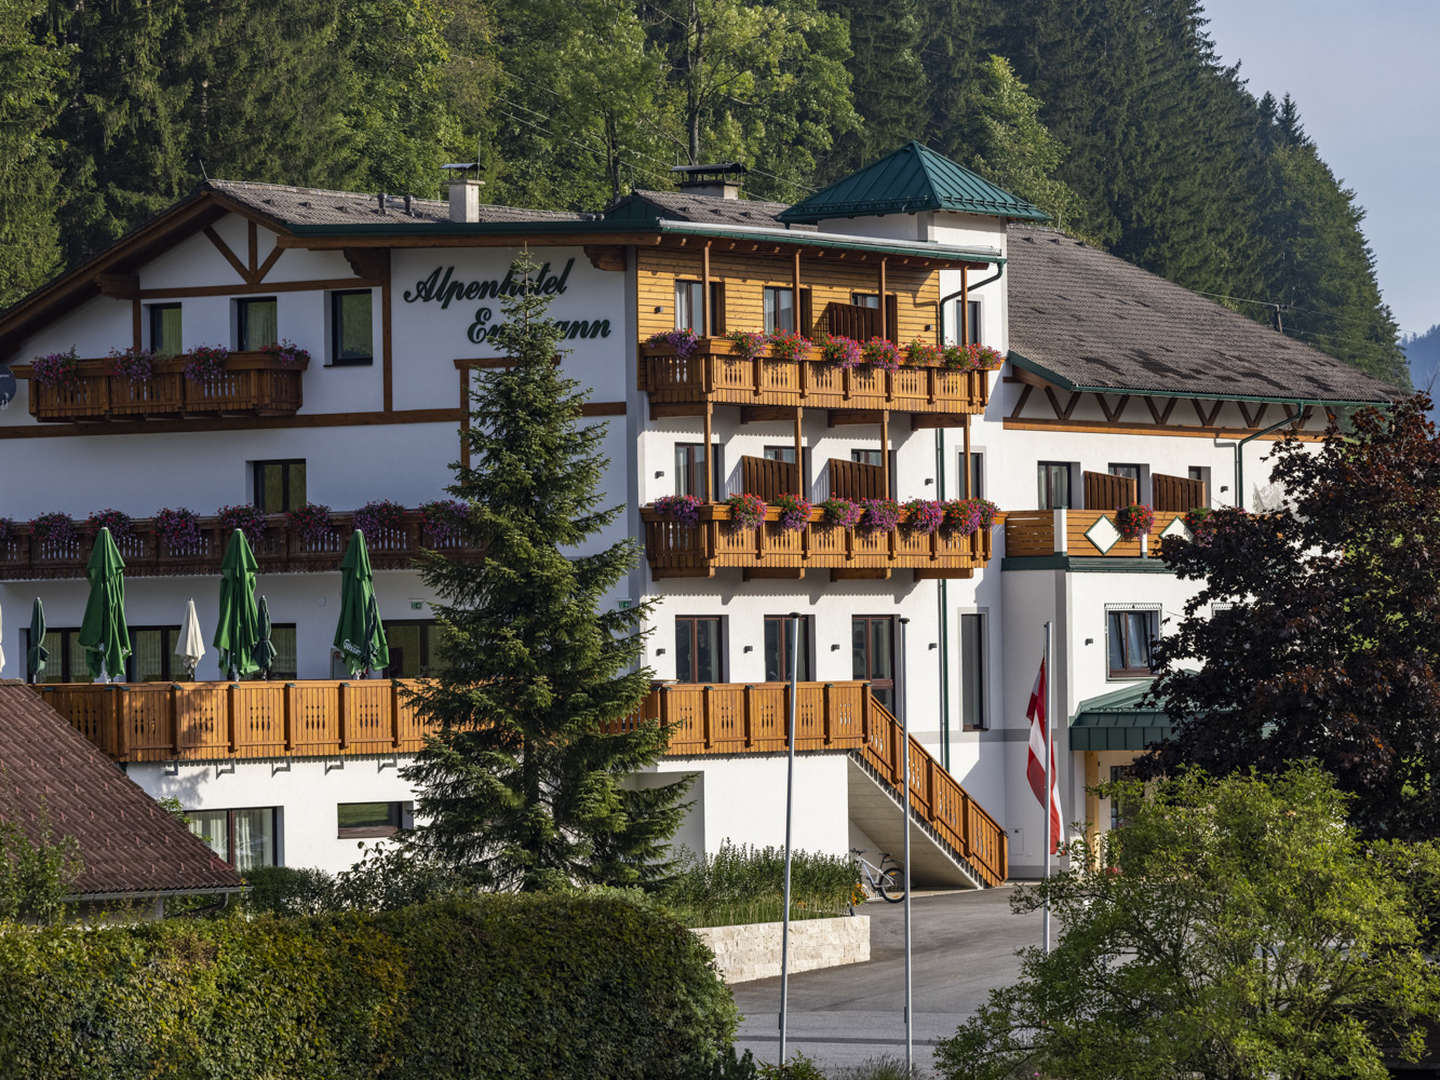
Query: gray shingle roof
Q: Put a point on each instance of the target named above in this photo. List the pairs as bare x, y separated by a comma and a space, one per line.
1098, 322
707, 209
52, 775
314, 206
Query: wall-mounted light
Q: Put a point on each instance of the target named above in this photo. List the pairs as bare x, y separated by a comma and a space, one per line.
749, 648
934, 645
1089, 641
660, 651
659, 473
929, 480
929, 326
659, 308
835, 648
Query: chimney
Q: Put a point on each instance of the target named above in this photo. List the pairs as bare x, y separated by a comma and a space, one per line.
464, 190
718, 181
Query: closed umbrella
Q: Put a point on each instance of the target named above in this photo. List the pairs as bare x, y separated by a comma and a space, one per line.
103, 633
239, 627
190, 648
264, 648
37, 656
360, 635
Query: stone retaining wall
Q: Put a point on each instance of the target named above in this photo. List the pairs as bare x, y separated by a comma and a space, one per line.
753, 951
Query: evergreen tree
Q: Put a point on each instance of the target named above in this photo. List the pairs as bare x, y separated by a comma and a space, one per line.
526, 784
30, 73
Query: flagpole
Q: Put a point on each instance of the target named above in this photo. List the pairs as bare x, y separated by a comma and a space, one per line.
905, 782
789, 804
1049, 779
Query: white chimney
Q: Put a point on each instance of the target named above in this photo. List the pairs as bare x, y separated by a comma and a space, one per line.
465, 200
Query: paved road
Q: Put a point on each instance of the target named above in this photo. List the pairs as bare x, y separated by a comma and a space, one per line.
964, 944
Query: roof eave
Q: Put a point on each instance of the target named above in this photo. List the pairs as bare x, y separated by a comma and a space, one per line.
154, 894
1036, 368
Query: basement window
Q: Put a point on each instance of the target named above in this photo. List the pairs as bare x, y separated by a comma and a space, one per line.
372, 819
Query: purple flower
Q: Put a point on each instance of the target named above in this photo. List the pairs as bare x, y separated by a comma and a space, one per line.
683, 508
248, 519
56, 369
180, 528
794, 512
684, 342
843, 512
746, 511
838, 349
924, 515
442, 520
379, 516
881, 515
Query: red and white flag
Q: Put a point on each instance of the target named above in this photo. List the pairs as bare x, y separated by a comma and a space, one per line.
1035, 767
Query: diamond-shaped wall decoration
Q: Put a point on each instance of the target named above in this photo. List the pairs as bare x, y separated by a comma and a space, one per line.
1177, 528
1103, 534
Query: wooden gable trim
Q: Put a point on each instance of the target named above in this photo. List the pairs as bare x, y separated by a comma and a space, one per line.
230, 256
1160, 416
1068, 410
1253, 420
1207, 420
1025, 392
1113, 415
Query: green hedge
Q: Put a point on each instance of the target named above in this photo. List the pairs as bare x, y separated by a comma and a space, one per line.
504, 987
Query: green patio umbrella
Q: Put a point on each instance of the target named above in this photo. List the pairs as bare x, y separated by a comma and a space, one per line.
360, 636
103, 633
37, 656
264, 648
238, 631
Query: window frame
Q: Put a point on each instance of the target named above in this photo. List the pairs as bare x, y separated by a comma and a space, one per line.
1130, 672
427, 659
258, 484
230, 811
981, 620
977, 473
771, 316
693, 622
689, 467
335, 300
398, 812
153, 315
974, 324
807, 647
1043, 469
242, 308
882, 689
695, 290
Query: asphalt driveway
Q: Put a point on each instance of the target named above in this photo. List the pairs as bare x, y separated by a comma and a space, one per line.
964, 944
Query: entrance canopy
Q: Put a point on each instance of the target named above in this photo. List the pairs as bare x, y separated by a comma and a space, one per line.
1118, 721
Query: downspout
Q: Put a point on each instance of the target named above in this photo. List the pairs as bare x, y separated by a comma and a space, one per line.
1240, 453
942, 593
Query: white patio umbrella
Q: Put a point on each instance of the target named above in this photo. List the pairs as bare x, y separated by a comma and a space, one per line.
190, 646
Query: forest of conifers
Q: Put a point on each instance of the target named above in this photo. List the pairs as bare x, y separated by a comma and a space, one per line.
1116, 116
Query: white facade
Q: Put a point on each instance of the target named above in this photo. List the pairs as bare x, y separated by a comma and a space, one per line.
401, 454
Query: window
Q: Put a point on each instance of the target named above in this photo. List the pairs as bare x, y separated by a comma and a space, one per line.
867, 457
866, 299
352, 341
777, 648
779, 308
243, 838
256, 324
279, 485
975, 331
285, 665
152, 659
1120, 807
973, 688
165, 329
697, 649
781, 453
1131, 634
690, 471
872, 653
65, 660
1054, 485
1130, 472
372, 818
414, 648
689, 312
977, 474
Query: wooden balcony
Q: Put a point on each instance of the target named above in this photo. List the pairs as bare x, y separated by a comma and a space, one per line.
678, 550
714, 373
1078, 533
282, 549
140, 722
253, 383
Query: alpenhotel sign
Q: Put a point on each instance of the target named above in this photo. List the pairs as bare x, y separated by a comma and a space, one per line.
442, 287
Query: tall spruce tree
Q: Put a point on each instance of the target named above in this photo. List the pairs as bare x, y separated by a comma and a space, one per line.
525, 786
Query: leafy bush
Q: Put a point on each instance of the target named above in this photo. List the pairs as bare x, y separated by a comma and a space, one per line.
507, 987
745, 884
799, 1067
35, 877
289, 890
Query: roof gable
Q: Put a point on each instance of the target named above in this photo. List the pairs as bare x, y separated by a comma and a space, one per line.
51, 775
912, 180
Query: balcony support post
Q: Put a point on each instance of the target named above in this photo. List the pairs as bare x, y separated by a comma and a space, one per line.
175, 719
395, 713
885, 452
965, 428
799, 451
290, 691
964, 306
705, 290
230, 692
709, 452
705, 714
884, 330
341, 710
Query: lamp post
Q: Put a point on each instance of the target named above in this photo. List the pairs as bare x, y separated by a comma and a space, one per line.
789, 810
904, 704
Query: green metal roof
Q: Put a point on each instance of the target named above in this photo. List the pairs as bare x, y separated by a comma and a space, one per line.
1118, 721
911, 180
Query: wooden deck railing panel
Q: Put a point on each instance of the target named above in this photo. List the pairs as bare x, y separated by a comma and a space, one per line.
714, 373
678, 550
253, 383
1031, 534
280, 549
138, 722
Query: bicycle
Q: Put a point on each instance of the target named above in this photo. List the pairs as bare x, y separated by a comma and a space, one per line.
887, 879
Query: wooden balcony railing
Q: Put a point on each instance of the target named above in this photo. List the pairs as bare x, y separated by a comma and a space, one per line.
282, 548
714, 373
740, 719
678, 550
252, 383
137, 722
1031, 533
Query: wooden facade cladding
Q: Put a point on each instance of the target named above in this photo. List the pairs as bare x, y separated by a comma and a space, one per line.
253, 383
831, 278
281, 549
1038, 533
675, 549
715, 373
137, 722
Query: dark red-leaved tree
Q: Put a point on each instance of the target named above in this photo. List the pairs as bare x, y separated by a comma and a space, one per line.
1316, 633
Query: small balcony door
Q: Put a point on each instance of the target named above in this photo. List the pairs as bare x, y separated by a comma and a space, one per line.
872, 651
697, 649
778, 630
